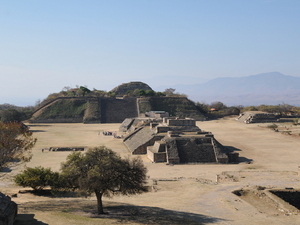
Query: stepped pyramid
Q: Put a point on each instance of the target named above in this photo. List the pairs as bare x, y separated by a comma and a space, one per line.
176, 141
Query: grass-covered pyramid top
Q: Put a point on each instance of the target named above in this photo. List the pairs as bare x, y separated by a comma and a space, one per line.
125, 88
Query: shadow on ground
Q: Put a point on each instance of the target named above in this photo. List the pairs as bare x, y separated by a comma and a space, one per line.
39, 125
35, 131
5, 170
119, 213
25, 219
241, 159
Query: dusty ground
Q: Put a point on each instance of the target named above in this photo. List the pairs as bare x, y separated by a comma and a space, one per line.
183, 194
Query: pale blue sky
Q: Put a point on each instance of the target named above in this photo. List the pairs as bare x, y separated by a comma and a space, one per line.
46, 45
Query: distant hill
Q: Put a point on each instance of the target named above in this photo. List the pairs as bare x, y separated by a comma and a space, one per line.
265, 88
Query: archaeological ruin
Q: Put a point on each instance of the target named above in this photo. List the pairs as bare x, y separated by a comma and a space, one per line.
284, 200
174, 141
256, 117
8, 210
104, 109
123, 89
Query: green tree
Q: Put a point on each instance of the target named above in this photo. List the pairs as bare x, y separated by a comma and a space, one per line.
15, 141
37, 178
84, 90
103, 172
149, 93
10, 115
218, 105
160, 94
203, 107
111, 94
232, 110
141, 93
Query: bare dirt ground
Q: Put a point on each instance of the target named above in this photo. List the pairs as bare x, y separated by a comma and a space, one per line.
182, 194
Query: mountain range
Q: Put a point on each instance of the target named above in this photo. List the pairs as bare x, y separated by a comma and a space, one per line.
267, 88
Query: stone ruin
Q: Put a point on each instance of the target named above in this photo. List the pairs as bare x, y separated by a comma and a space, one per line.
157, 114
285, 200
8, 210
256, 117
174, 141
60, 149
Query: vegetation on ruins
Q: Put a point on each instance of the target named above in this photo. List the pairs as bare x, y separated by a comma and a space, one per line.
102, 172
37, 178
16, 141
278, 109
83, 91
65, 108
79, 104
170, 92
218, 109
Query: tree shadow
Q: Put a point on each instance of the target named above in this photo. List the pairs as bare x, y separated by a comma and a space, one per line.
156, 215
5, 170
39, 125
27, 219
123, 213
35, 131
242, 159
52, 194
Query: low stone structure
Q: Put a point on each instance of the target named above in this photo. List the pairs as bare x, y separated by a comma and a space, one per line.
174, 141
59, 149
157, 114
285, 200
8, 210
256, 117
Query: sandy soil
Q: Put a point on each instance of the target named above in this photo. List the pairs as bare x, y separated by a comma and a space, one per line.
182, 194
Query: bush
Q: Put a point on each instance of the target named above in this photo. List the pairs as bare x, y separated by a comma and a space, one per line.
296, 121
273, 126
37, 178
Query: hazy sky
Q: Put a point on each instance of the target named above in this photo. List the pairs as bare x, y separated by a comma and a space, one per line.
46, 45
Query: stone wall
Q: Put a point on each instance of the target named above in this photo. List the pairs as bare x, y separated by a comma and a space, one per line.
59, 120
193, 151
114, 110
93, 111
98, 110
180, 122
156, 157
157, 114
157, 152
8, 210
110, 110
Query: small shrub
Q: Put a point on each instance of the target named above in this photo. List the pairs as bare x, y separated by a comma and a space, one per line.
273, 126
296, 121
37, 178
